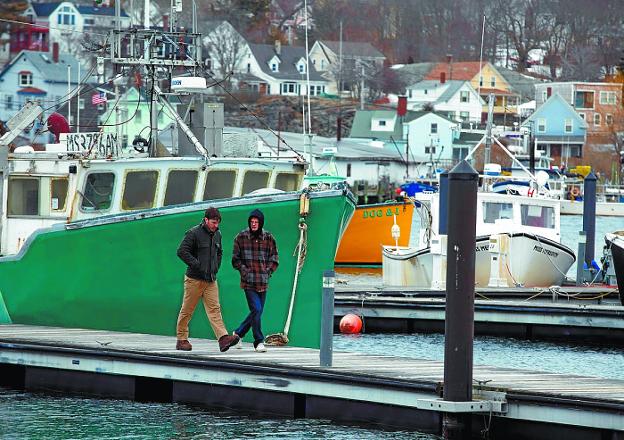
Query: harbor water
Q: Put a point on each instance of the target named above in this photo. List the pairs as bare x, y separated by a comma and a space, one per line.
25, 415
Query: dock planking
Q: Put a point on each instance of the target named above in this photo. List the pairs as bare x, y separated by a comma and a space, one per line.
390, 381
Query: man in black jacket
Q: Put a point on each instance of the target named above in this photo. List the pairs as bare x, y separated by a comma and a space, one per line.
201, 250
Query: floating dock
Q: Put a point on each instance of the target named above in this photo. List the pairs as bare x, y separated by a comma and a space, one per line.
590, 315
387, 390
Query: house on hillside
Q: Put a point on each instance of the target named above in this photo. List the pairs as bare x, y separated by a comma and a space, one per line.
325, 56
458, 100
600, 105
486, 79
62, 22
424, 136
41, 78
558, 130
133, 113
280, 70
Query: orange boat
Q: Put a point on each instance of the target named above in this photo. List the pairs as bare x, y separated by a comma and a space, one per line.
370, 228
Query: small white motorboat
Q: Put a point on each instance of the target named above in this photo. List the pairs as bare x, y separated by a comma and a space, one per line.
518, 244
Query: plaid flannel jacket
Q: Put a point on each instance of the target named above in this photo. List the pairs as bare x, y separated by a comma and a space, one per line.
255, 258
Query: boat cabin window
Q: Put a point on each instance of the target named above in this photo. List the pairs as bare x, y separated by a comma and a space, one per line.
98, 192
23, 196
219, 184
538, 216
180, 187
139, 190
58, 194
287, 181
496, 211
254, 180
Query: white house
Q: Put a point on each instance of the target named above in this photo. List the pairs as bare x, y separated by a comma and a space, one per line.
430, 136
40, 77
325, 56
225, 49
280, 70
68, 21
456, 99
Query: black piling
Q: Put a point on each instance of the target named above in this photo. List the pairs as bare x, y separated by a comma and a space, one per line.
589, 217
327, 319
443, 214
460, 290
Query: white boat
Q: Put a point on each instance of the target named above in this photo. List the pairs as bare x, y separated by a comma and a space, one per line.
615, 242
518, 244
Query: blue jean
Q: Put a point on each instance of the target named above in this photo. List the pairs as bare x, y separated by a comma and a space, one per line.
255, 301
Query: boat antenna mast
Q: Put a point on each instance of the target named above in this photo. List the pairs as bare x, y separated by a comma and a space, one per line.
159, 53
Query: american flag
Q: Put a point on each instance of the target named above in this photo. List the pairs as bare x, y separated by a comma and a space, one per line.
98, 98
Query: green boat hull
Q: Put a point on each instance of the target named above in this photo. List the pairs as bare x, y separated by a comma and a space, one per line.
121, 272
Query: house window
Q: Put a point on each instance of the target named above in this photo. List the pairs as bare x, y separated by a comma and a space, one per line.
460, 153
348, 170
464, 96
91, 21
273, 67
9, 102
609, 119
322, 64
604, 97
464, 116
480, 81
584, 99
493, 81
66, 16
25, 79
288, 88
425, 91
434, 128
409, 93
612, 98
248, 67
607, 98
382, 123
81, 103
302, 68
568, 125
576, 151
597, 119
430, 150
541, 125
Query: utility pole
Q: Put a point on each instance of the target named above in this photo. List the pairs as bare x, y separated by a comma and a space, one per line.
362, 88
488, 129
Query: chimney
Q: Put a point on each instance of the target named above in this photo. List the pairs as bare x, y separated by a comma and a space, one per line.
442, 77
338, 128
55, 52
165, 22
548, 92
402, 106
278, 47
449, 60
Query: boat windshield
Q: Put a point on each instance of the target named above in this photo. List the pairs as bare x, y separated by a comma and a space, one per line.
538, 216
493, 211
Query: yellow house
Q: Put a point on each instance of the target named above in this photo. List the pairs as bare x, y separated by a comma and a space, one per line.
486, 80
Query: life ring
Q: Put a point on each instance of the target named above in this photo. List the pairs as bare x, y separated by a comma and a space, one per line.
574, 193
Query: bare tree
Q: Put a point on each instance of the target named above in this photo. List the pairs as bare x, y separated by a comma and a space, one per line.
226, 49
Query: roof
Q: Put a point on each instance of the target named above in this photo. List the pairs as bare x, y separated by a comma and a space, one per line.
353, 49
466, 138
51, 72
413, 73
45, 9
555, 98
464, 70
361, 127
523, 85
289, 55
451, 87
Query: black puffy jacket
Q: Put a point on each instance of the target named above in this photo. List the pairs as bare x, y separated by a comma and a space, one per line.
201, 250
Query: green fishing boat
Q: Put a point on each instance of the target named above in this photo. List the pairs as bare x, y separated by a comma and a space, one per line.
120, 272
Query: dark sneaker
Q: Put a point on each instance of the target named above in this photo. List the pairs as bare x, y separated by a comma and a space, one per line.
184, 345
226, 341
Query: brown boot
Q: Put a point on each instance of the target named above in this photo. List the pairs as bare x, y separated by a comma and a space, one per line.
226, 341
184, 345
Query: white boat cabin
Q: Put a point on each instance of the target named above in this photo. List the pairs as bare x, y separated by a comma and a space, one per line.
44, 188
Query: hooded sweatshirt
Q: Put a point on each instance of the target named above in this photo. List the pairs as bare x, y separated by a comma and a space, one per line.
255, 255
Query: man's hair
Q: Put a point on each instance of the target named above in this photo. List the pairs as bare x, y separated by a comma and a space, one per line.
212, 214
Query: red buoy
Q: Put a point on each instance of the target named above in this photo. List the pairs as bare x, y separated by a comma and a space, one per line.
350, 324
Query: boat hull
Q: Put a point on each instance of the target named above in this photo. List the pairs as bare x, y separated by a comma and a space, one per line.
611, 209
122, 273
617, 251
532, 261
370, 229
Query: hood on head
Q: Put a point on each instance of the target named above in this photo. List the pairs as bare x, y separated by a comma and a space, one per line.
259, 215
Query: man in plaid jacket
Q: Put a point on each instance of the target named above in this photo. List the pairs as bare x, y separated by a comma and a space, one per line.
255, 257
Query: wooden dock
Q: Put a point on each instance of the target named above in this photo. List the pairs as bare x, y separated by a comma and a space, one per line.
288, 381
592, 315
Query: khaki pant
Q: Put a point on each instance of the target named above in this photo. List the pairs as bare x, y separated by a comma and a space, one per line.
209, 293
